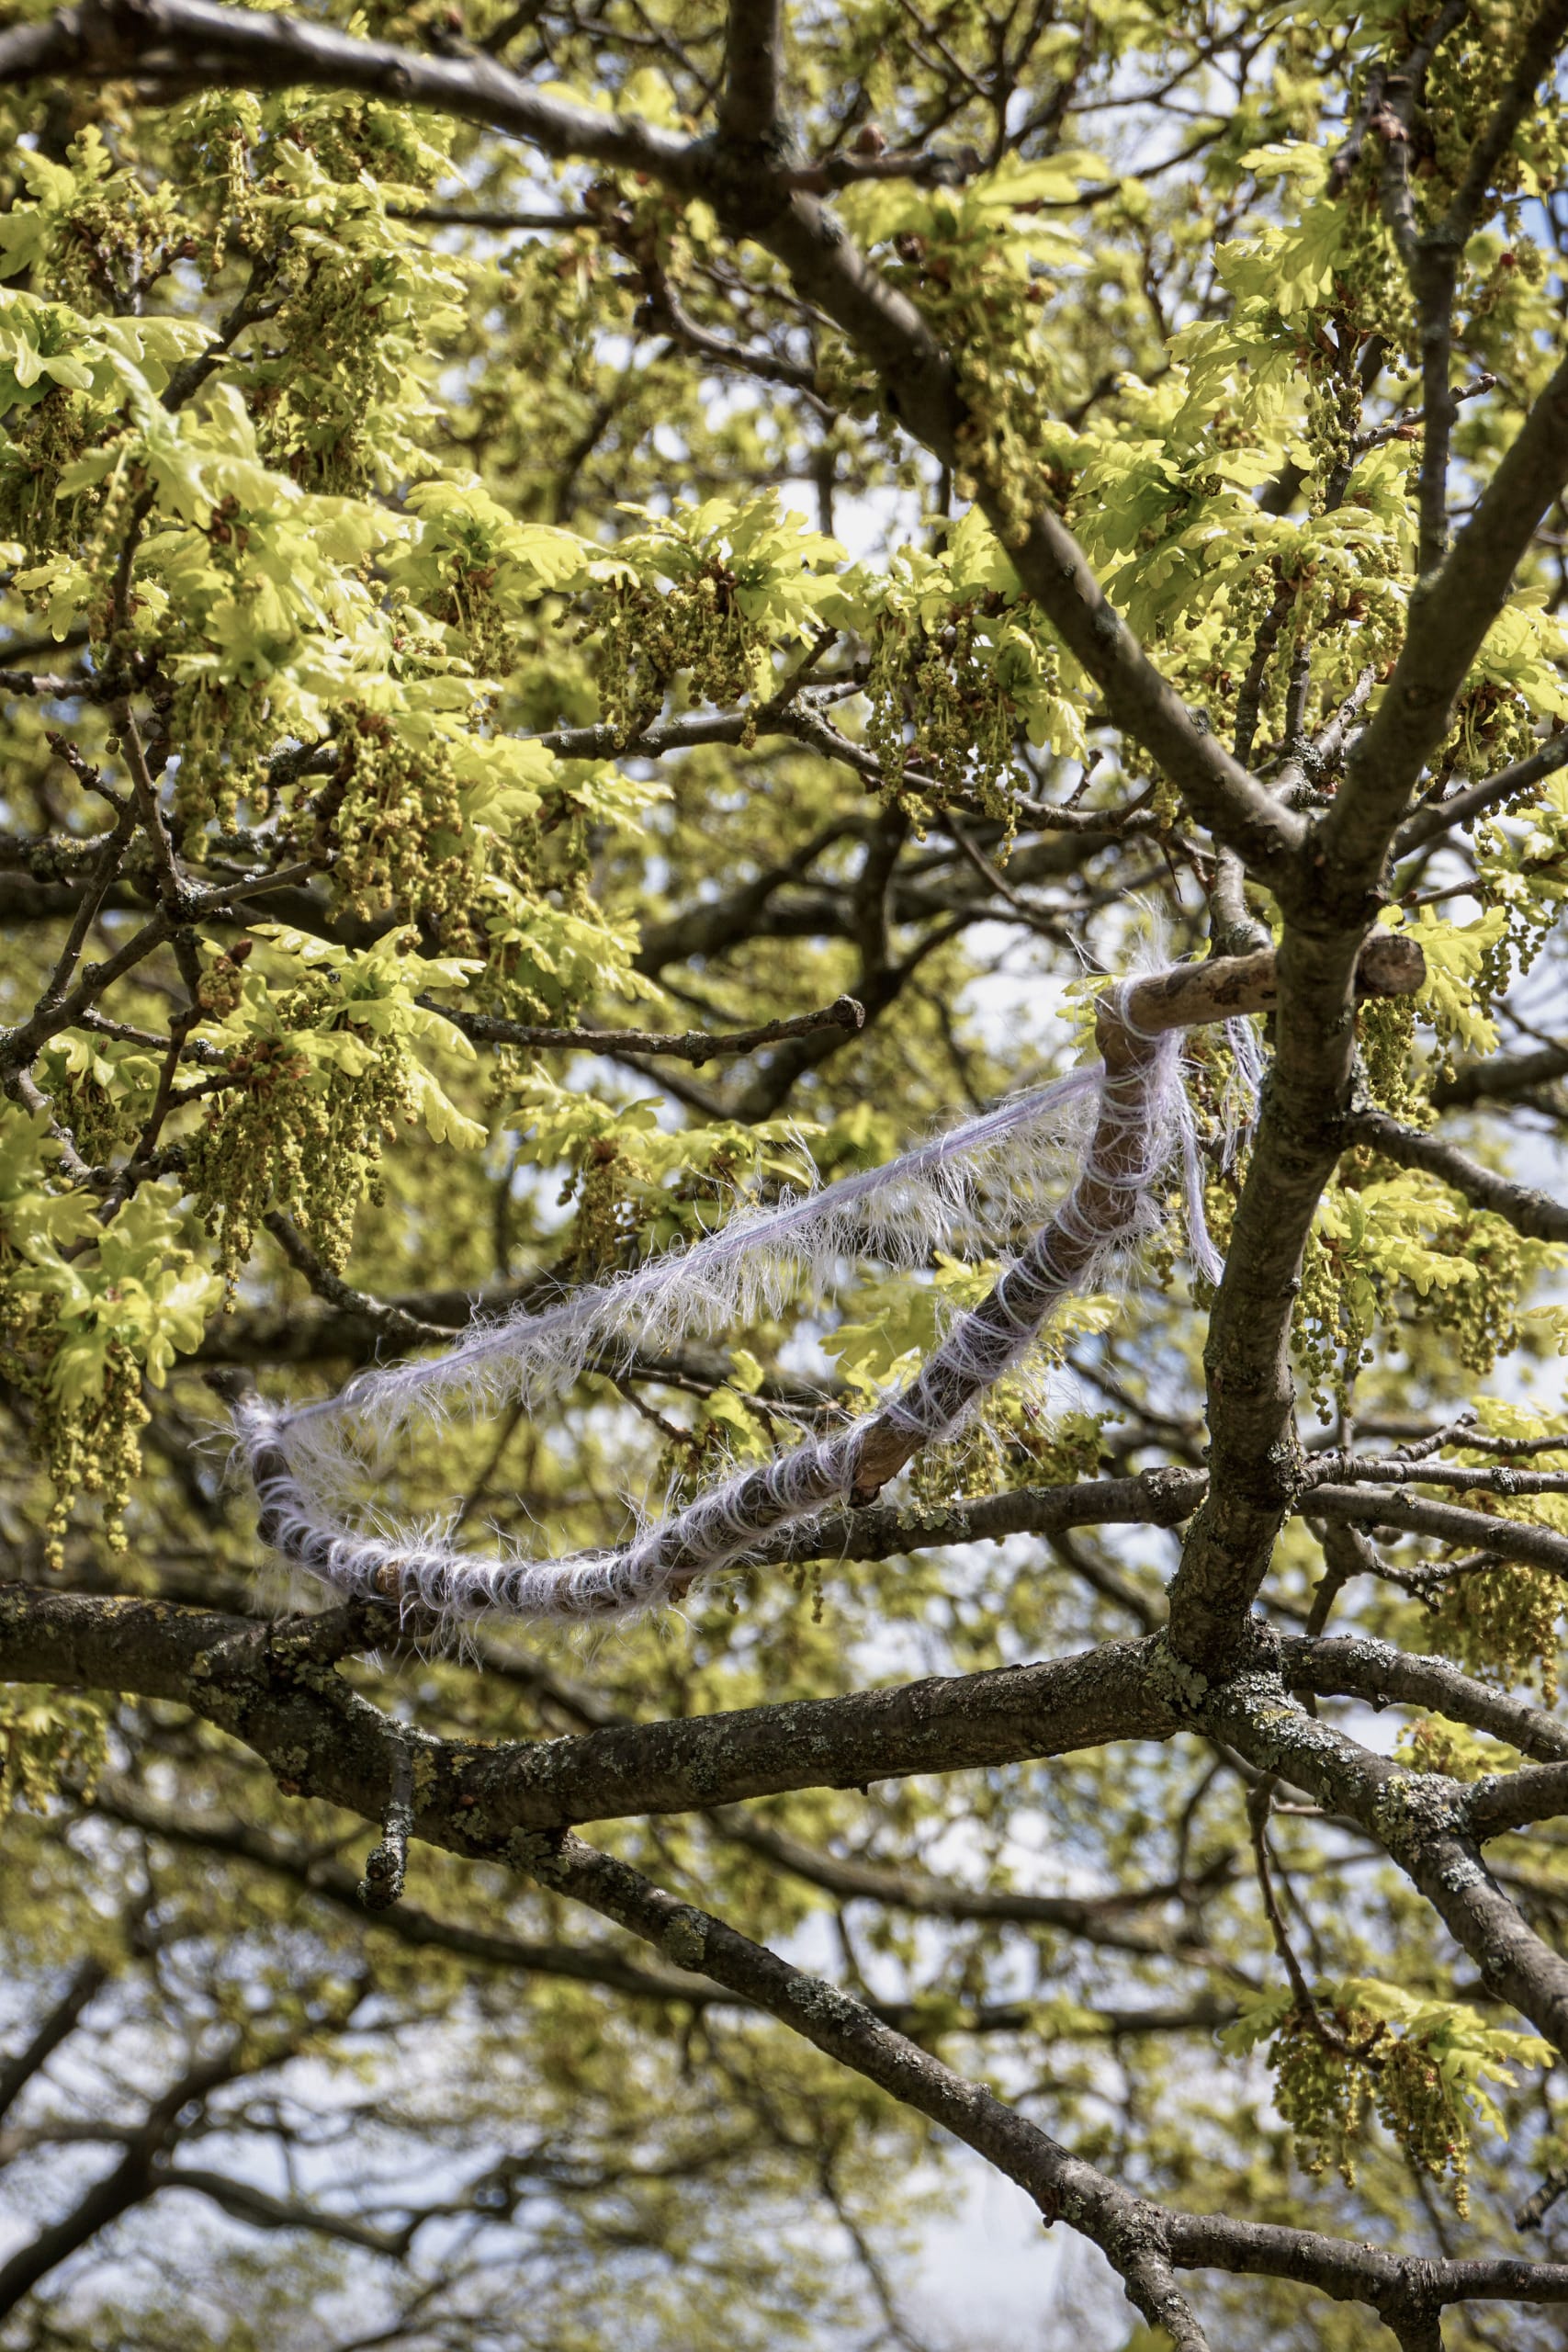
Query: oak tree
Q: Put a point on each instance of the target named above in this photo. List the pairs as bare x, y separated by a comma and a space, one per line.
804, 771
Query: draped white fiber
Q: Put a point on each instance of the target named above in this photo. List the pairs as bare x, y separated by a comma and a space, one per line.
1114, 1137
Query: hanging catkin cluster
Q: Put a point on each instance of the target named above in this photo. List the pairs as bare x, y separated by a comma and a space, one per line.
1115, 1129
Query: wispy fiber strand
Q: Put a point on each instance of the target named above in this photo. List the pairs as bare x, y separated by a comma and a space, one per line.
971, 1187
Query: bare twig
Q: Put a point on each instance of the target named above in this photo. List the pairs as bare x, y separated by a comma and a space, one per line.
694, 1045
1441, 816
408, 1329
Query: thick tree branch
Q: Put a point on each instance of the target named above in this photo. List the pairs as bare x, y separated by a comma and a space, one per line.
1333, 895
1160, 1498
748, 105
184, 45
264, 1684
1398, 1470
1253, 1448
1353, 2272
1512, 1800
1356, 1667
1450, 615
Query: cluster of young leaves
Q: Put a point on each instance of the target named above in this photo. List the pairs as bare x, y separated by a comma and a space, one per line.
961, 667
47, 1739
637, 1186
704, 594
1498, 1616
89, 1312
270, 600
1424, 2068
318, 1046
976, 260
1402, 1245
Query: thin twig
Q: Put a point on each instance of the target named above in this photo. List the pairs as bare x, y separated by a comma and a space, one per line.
694, 1045
392, 1320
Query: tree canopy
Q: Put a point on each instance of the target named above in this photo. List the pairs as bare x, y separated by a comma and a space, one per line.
611, 613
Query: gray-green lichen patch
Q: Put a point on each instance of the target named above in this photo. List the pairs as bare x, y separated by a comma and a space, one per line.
683, 1937
824, 2006
1184, 1687
1413, 1809
532, 1851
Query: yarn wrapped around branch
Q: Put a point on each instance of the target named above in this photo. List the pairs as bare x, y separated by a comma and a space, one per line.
1134, 1120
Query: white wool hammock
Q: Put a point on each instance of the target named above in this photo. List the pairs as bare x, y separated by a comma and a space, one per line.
1122, 1123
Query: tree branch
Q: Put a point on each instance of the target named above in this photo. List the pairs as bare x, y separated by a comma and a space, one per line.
1128, 2231
1540, 44
1501, 1078
1449, 618
1092, 1918
1462, 808
331, 1882
1431, 263
1506, 1801
87, 1979
748, 105
184, 45
1534, 1214
1509, 1539
265, 1685
247, 2201
1356, 2272
1355, 1666
694, 1045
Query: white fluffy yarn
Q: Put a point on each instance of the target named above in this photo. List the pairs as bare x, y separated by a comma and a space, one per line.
970, 1188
